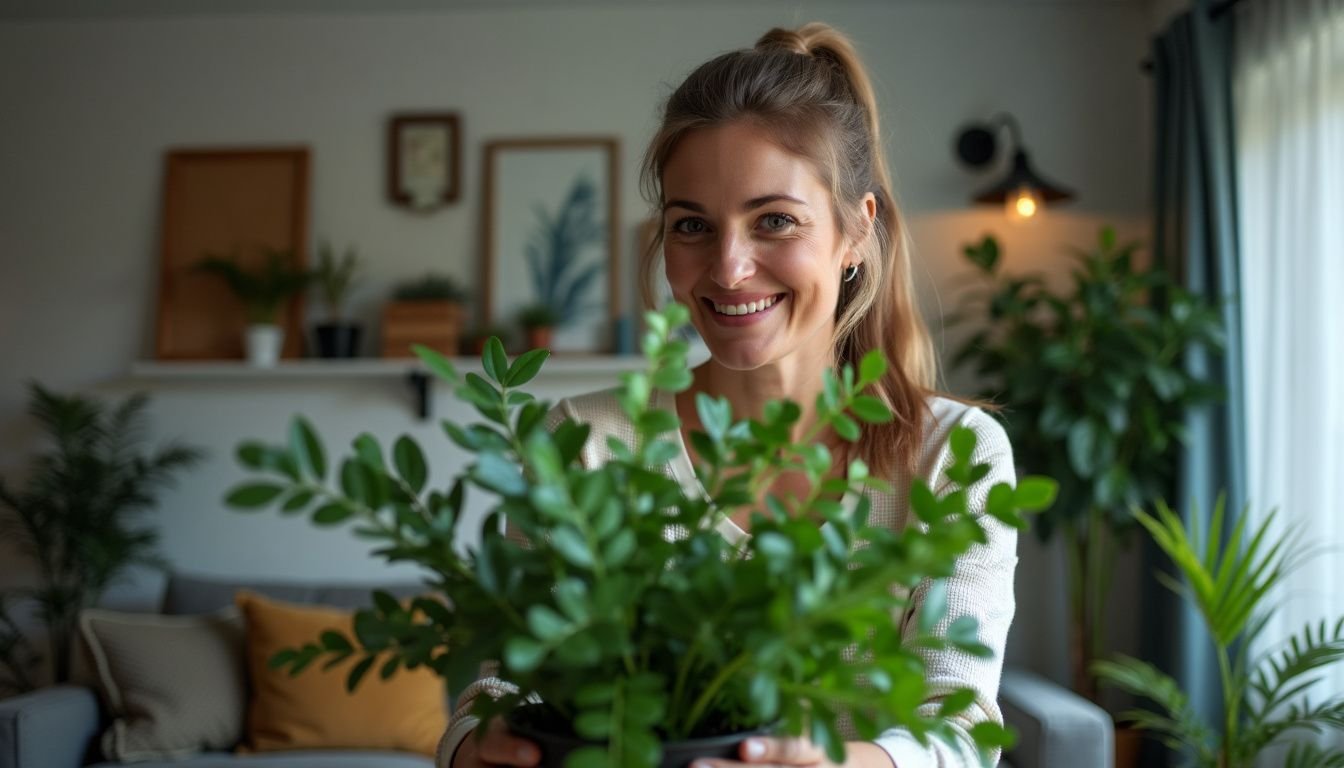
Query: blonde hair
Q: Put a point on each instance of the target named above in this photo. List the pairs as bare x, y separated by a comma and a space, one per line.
809, 91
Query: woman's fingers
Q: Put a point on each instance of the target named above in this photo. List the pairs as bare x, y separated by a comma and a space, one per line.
781, 751
499, 747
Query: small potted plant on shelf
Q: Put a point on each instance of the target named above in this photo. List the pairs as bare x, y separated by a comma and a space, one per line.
263, 291
538, 321
425, 311
338, 336
613, 598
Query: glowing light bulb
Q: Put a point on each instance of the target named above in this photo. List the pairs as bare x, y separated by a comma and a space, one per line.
1023, 203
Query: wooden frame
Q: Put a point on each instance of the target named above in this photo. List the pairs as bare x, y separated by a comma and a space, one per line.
226, 201
424, 160
528, 181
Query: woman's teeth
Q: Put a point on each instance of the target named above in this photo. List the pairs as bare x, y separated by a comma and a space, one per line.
744, 309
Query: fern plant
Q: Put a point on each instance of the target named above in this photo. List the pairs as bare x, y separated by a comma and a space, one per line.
560, 279
1264, 695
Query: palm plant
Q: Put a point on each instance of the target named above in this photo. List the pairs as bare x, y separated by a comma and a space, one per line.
1263, 695
75, 518
560, 279
335, 277
263, 291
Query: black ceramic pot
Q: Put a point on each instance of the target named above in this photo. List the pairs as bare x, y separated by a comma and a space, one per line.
337, 340
537, 723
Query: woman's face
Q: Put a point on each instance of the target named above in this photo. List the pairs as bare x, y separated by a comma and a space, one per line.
751, 247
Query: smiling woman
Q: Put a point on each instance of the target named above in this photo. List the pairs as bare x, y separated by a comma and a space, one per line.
780, 232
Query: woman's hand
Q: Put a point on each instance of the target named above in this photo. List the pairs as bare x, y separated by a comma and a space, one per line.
769, 750
497, 747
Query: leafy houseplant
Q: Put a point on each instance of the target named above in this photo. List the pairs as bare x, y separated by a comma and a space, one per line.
1097, 395
538, 320
337, 336
555, 253
428, 311
634, 636
75, 519
263, 292
1230, 585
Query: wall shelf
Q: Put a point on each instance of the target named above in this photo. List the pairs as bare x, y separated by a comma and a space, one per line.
557, 368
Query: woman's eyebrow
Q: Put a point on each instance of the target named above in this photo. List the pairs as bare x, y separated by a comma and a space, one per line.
753, 203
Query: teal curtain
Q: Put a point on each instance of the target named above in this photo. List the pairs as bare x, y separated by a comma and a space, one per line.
1195, 238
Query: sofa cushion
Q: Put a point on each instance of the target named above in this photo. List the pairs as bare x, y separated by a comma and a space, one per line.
313, 709
174, 685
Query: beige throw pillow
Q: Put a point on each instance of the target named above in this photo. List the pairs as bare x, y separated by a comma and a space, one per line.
175, 685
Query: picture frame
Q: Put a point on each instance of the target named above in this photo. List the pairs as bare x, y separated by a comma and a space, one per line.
424, 152
551, 224
226, 201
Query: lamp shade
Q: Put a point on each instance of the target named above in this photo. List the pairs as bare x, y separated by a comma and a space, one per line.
1022, 175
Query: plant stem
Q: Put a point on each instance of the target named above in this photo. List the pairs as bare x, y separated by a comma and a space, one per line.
712, 690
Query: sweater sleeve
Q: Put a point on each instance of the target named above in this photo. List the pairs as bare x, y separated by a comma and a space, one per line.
981, 586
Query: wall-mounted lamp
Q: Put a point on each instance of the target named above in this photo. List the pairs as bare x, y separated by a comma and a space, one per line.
1022, 191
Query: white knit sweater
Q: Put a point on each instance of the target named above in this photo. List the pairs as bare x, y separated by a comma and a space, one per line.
981, 584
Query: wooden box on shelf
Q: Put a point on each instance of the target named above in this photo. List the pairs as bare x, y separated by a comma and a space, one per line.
436, 324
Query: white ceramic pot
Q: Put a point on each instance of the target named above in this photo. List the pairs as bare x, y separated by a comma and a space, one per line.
263, 345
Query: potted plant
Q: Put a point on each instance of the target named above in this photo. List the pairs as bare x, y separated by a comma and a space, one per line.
263, 292
1232, 579
1096, 394
338, 337
425, 311
538, 321
638, 639
75, 519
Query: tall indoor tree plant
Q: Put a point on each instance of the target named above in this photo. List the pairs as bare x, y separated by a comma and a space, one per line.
635, 638
75, 518
1095, 395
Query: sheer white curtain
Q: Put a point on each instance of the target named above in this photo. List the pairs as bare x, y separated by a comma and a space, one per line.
1288, 92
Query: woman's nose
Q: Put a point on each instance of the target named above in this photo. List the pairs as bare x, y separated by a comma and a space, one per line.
734, 261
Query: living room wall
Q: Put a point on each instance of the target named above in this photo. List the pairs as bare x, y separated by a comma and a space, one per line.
90, 104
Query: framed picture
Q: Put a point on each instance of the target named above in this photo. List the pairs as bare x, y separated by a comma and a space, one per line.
551, 224
423, 160
226, 201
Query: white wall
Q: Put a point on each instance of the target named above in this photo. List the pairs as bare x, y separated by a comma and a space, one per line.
87, 108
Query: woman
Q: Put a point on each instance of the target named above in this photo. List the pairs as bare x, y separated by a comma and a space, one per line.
781, 235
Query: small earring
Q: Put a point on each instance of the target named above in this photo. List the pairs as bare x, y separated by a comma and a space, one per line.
851, 272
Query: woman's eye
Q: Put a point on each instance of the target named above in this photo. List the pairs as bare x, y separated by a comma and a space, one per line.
688, 230
778, 221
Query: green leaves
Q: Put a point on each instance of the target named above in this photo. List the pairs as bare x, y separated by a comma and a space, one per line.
610, 591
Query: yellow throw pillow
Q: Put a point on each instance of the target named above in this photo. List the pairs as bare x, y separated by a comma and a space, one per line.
312, 710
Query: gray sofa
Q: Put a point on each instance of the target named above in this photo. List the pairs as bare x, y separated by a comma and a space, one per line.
58, 727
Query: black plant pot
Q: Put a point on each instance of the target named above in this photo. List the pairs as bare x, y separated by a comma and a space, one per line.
543, 726
337, 340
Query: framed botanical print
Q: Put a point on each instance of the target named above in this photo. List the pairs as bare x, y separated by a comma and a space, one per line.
551, 223
423, 160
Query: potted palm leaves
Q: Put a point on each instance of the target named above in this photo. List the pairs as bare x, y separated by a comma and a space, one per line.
1231, 576
263, 292
337, 336
76, 519
614, 599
